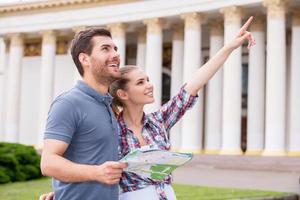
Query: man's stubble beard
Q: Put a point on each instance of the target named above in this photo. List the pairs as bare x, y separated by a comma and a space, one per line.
104, 78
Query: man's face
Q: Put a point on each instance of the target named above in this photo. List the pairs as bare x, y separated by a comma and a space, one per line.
104, 60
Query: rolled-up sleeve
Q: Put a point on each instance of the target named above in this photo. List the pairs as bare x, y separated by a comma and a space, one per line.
175, 108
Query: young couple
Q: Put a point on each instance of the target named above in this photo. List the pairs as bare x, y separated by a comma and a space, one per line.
87, 132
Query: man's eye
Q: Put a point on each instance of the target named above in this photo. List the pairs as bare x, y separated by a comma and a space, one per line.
140, 83
105, 48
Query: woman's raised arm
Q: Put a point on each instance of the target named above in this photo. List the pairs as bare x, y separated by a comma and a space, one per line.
204, 73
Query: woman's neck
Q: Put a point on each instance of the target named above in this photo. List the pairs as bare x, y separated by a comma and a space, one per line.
133, 115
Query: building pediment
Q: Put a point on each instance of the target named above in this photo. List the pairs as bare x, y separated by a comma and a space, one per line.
15, 8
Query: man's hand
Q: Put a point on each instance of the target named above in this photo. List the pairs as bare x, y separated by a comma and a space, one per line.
109, 172
47, 196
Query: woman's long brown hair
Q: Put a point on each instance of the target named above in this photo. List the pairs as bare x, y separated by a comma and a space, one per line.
120, 83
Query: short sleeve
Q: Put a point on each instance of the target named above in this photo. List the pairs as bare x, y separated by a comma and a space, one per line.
62, 121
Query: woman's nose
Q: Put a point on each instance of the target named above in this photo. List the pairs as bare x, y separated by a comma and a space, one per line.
149, 85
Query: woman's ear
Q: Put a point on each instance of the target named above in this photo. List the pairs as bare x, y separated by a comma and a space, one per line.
84, 59
122, 94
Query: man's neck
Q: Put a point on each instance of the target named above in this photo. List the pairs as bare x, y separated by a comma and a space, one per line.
100, 88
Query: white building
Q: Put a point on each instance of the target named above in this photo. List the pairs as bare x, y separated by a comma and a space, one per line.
259, 88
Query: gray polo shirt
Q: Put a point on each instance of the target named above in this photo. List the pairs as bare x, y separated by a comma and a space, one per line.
83, 118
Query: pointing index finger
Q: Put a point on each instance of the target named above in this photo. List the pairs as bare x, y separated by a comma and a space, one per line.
246, 25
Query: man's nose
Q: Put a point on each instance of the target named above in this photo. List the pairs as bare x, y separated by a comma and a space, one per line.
116, 54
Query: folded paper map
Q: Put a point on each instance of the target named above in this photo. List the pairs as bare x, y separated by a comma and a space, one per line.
154, 163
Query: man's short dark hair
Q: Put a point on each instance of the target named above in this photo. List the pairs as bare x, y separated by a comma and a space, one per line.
82, 43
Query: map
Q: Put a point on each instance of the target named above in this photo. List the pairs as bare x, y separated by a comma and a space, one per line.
154, 163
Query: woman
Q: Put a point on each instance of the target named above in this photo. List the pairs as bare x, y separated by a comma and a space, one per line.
137, 129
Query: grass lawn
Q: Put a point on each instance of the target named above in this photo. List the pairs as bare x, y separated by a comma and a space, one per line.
32, 189
188, 192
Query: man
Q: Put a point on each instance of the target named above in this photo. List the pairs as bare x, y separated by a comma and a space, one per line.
80, 142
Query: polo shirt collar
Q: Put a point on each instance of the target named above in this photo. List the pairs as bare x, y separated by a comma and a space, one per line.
107, 98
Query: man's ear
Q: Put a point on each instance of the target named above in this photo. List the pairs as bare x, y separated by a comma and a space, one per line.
84, 59
122, 94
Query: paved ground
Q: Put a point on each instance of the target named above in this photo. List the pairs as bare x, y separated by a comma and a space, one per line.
265, 173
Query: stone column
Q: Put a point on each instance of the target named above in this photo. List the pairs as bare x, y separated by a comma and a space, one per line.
176, 79
153, 65
294, 100
232, 85
119, 37
2, 94
192, 123
288, 84
213, 96
276, 78
256, 89
13, 88
47, 79
141, 48
77, 76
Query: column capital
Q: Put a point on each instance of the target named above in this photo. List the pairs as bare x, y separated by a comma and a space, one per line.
192, 20
154, 25
141, 34
296, 17
260, 22
16, 39
216, 27
2, 55
5, 39
117, 29
177, 30
232, 14
275, 8
77, 29
49, 36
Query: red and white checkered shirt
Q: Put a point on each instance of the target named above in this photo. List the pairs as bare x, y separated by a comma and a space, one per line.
156, 127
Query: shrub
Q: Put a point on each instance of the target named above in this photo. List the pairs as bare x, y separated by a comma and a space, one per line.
4, 178
18, 163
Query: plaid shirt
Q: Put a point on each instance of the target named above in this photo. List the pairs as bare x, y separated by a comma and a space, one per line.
156, 127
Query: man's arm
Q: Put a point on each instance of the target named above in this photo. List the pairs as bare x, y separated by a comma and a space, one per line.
55, 165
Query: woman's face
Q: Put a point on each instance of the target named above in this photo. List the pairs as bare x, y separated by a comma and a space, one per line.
139, 90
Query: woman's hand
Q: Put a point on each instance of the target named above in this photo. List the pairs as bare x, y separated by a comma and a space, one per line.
47, 196
242, 35
204, 73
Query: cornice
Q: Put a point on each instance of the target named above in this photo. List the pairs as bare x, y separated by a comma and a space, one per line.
55, 4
